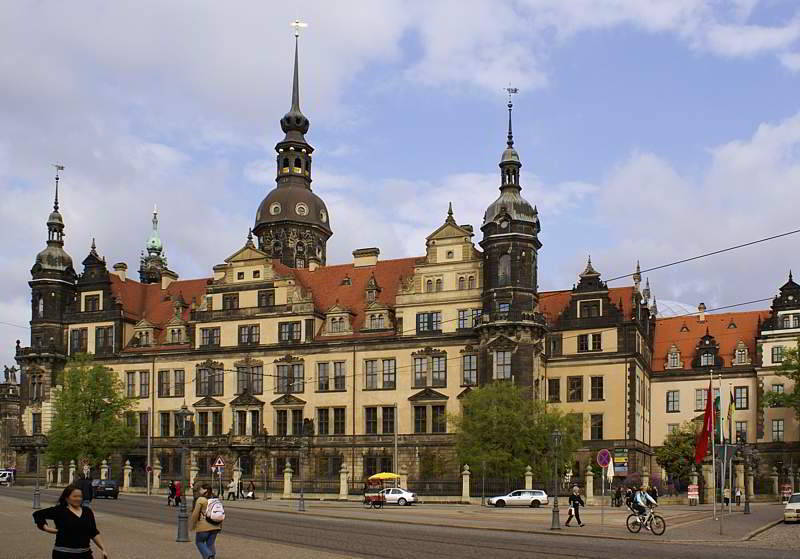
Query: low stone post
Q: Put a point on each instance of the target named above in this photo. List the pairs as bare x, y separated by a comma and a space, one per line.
693, 481
750, 482
194, 470
709, 490
775, 489
739, 471
104, 469
589, 485
237, 476
343, 482
72, 468
790, 479
51, 475
465, 474
60, 474
287, 480
528, 477
156, 475
645, 477
403, 476
126, 475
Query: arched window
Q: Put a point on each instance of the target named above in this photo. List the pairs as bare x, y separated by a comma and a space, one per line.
461, 282
472, 282
787, 322
380, 321
373, 321
277, 249
298, 164
504, 270
438, 285
428, 286
286, 164
741, 356
40, 307
299, 262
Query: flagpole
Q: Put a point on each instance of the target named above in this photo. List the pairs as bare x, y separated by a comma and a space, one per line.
731, 411
713, 445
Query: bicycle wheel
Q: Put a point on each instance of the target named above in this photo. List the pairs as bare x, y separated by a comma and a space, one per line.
658, 525
633, 523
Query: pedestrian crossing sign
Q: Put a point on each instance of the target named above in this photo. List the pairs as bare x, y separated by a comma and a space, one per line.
219, 463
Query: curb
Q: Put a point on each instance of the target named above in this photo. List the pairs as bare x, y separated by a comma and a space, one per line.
764, 528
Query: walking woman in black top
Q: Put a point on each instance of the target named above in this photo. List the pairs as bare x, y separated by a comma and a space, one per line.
74, 526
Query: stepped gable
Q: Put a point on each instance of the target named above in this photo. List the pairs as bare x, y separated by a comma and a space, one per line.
325, 283
553, 303
149, 301
669, 331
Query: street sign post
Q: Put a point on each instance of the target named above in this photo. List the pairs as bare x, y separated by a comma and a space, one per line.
603, 460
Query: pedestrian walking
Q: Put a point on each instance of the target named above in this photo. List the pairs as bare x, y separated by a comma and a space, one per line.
654, 493
575, 502
171, 493
87, 491
251, 490
240, 490
726, 496
738, 496
205, 528
178, 493
74, 526
231, 494
618, 497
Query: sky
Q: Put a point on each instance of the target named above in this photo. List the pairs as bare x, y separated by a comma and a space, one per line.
649, 130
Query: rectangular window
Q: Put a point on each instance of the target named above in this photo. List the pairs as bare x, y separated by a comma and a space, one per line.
554, 343
203, 382
323, 380
250, 379
144, 424
297, 422
144, 384
338, 421
130, 420
439, 371
217, 382
163, 384
741, 397
165, 423
266, 298
298, 378
371, 421
420, 419
673, 360
371, 374
289, 332
672, 428
255, 422
469, 370
284, 382
701, 397
597, 427
36, 423
78, 340
92, 303
741, 431
230, 301
387, 416
597, 388
178, 426
338, 375
309, 329
673, 401
209, 336
241, 422
249, 334
282, 418
180, 382
574, 389
502, 365
438, 419
554, 389
777, 354
778, 388
130, 384
583, 342
464, 319
590, 309
420, 372
429, 322
202, 423
216, 423
323, 418
596, 342
389, 370
777, 430
103, 339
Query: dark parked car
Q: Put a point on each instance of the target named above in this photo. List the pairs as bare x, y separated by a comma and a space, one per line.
106, 488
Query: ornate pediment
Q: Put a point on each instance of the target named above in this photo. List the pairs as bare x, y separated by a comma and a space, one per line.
247, 253
449, 231
249, 362
288, 400
209, 364
208, 402
288, 358
176, 321
501, 343
246, 399
428, 351
427, 395
144, 323
469, 349
338, 309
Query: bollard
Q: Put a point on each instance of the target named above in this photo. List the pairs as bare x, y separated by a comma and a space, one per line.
301, 504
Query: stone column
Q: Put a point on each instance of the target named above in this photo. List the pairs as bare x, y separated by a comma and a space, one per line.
709, 491
750, 483
465, 474
156, 475
775, 489
645, 477
104, 469
126, 475
739, 471
589, 485
528, 477
790, 479
237, 473
403, 476
287, 480
194, 470
72, 469
693, 481
60, 474
343, 488
51, 476
797, 480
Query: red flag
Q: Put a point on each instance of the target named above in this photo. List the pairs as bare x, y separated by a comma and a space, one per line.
701, 444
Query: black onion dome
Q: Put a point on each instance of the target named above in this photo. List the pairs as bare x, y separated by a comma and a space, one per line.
511, 202
293, 203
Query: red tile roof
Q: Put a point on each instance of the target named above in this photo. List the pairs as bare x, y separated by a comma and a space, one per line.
668, 332
553, 303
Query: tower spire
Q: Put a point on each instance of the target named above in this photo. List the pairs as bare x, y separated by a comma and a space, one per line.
58, 168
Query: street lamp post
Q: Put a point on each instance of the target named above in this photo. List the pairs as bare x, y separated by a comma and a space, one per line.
555, 438
747, 452
36, 490
183, 518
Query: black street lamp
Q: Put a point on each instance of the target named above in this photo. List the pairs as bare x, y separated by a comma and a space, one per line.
746, 451
183, 517
555, 437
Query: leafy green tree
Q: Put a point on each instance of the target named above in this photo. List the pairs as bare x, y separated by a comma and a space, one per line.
89, 410
677, 454
790, 369
507, 431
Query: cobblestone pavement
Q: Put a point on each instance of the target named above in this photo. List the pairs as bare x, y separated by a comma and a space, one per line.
782, 536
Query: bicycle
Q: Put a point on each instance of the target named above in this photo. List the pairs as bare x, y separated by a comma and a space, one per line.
654, 522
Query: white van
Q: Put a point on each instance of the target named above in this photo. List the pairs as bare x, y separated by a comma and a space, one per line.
6, 477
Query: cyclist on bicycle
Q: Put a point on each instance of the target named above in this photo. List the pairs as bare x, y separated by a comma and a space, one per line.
641, 500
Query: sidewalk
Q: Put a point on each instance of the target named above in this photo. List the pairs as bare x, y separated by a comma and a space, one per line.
128, 538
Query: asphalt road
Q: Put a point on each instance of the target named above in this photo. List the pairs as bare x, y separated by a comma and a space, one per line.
360, 538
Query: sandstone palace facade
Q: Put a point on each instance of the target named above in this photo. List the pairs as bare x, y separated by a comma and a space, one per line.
282, 356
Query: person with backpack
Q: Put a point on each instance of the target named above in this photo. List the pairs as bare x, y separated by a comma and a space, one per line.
207, 518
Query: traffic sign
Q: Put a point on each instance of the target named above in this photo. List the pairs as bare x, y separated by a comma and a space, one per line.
219, 462
603, 458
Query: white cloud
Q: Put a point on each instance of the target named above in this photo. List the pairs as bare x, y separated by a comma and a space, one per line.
791, 60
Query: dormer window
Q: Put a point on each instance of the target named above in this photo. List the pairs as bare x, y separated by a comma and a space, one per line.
787, 321
336, 324
589, 309
741, 356
707, 360
376, 322
347, 281
175, 336
674, 360
796, 321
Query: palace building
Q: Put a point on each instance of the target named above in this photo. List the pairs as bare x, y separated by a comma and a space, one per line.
284, 358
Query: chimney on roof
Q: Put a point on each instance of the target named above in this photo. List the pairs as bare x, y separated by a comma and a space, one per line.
312, 265
120, 270
365, 257
167, 277
702, 312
